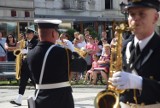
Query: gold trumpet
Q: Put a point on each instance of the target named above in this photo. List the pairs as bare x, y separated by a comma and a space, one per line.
109, 98
19, 57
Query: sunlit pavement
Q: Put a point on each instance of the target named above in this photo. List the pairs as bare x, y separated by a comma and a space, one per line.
83, 96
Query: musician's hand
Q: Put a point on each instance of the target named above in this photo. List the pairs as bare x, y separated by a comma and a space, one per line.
124, 80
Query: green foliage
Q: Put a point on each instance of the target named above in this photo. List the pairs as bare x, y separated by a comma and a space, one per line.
70, 32
9, 82
92, 31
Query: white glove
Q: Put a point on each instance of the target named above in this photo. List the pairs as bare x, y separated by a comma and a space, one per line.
124, 80
24, 51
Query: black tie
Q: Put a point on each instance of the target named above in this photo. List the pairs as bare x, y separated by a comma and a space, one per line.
135, 54
137, 50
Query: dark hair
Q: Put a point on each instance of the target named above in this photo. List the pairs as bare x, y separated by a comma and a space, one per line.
7, 40
67, 35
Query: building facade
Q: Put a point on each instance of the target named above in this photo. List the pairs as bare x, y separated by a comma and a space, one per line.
15, 15
80, 13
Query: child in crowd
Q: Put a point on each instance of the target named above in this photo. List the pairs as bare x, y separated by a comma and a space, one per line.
89, 73
103, 64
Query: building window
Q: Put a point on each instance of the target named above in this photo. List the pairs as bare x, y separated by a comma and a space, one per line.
13, 13
108, 4
27, 14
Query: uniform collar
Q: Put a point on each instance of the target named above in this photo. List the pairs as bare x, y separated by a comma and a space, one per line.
143, 43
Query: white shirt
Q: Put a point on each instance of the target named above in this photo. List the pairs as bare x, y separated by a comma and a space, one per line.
68, 44
82, 44
142, 43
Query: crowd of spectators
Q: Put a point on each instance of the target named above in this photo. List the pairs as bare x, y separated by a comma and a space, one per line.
97, 54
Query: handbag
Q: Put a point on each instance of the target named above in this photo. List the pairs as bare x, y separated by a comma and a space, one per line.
31, 99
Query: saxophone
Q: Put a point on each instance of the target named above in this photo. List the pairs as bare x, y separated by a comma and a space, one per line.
109, 98
19, 57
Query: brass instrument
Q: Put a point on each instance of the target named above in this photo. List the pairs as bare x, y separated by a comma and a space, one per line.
19, 57
109, 98
17, 52
81, 52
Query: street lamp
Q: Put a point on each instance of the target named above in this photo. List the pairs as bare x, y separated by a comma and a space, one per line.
123, 10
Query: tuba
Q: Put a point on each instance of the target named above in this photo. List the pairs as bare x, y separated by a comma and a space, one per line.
19, 57
109, 98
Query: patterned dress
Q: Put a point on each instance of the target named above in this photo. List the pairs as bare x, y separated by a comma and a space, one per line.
103, 66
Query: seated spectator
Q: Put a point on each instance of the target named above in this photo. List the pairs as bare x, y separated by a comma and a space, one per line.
103, 64
89, 73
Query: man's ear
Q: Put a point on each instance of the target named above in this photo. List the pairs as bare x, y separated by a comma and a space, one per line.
156, 18
53, 32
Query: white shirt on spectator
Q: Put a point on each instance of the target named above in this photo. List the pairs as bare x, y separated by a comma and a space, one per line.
81, 44
68, 44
